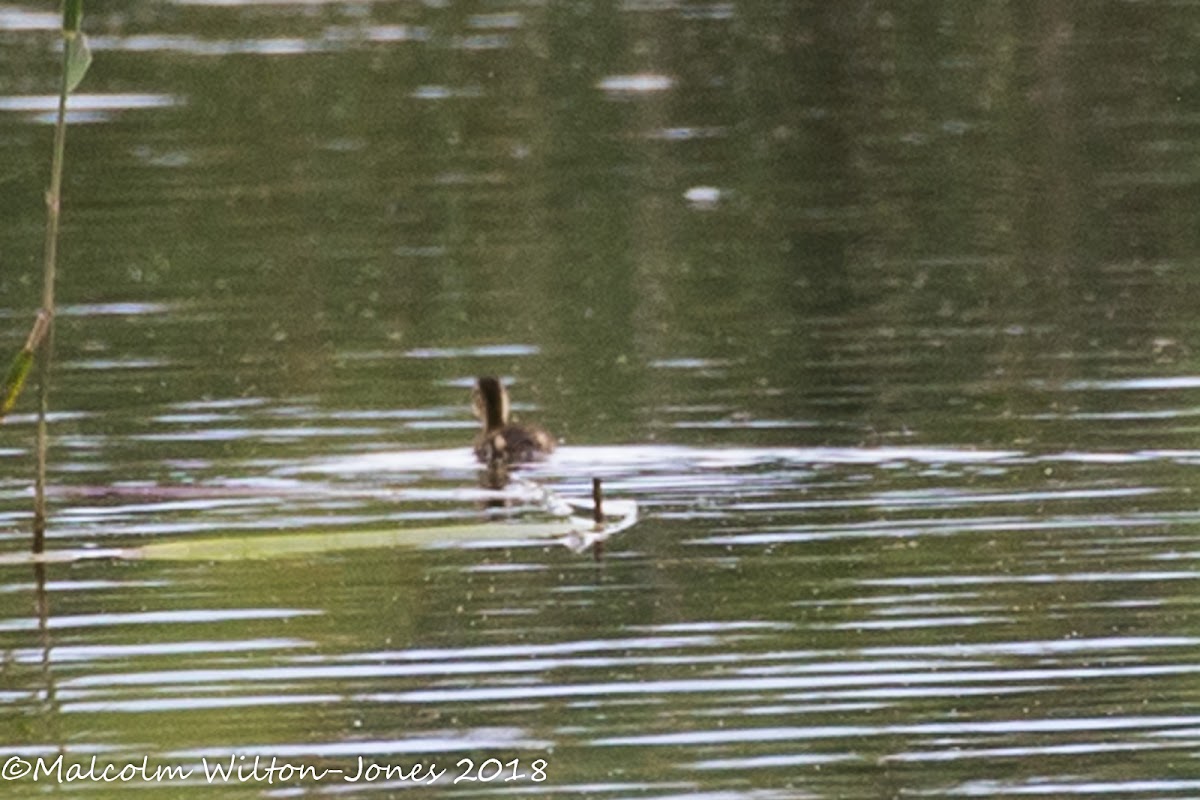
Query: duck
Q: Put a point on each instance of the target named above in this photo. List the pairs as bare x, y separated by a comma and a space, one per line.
502, 442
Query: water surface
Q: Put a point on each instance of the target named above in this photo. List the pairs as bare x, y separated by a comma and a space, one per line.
883, 316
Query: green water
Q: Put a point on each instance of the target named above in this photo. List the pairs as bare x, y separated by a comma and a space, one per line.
883, 315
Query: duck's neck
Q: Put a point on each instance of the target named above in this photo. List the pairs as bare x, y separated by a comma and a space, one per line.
495, 405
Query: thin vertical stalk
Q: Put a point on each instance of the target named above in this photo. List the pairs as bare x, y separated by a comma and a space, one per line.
43, 446
598, 517
72, 13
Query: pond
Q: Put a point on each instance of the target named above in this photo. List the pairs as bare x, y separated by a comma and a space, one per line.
882, 314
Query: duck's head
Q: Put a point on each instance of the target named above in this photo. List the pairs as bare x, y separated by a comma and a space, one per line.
491, 403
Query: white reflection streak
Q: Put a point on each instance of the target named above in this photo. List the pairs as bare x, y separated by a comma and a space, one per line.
722, 685
1083, 748
203, 615
1015, 726
88, 102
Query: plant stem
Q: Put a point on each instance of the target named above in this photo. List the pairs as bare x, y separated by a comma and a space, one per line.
597, 503
72, 10
598, 517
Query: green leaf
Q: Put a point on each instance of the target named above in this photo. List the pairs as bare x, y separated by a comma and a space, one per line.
79, 58
291, 545
574, 532
18, 371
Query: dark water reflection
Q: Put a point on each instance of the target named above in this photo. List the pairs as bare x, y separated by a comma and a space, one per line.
882, 315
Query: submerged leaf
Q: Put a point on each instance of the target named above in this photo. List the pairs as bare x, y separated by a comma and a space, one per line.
290, 545
72, 556
574, 532
79, 58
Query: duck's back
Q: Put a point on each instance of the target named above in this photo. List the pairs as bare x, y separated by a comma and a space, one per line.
514, 444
